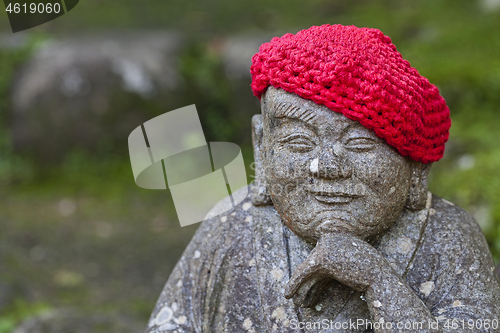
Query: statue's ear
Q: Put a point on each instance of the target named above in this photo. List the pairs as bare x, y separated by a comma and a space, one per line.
260, 195
418, 192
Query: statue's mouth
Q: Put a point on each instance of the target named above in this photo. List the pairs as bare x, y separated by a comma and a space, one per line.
333, 197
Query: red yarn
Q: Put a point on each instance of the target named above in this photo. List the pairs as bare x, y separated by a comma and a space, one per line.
359, 73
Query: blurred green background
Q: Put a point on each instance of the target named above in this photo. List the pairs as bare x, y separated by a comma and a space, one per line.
77, 234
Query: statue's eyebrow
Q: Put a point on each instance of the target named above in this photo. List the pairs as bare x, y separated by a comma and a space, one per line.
286, 110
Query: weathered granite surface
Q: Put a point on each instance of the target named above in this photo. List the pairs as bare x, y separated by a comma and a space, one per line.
340, 235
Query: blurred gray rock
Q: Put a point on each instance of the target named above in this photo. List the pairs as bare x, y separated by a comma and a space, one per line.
490, 5
10, 41
64, 321
89, 92
237, 53
6, 295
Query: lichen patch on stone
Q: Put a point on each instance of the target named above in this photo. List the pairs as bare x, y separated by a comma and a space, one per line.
422, 216
164, 316
277, 274
278, 314
247, 324
314, 165
426, 288
404, 245
474, 266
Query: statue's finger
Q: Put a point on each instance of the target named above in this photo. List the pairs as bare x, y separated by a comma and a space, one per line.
300, 276
309, 293
303, 295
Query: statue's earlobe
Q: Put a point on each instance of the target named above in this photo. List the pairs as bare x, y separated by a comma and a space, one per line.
260, 195
418, 191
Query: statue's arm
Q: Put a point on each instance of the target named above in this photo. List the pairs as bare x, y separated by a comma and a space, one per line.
395, 307
361, 267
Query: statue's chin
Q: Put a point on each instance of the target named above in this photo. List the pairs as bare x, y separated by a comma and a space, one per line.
314, 231
332, 227
324, 222
331, 221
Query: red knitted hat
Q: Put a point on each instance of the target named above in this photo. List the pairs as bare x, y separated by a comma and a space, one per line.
359, 73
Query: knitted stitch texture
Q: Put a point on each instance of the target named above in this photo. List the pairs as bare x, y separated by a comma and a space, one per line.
359, 73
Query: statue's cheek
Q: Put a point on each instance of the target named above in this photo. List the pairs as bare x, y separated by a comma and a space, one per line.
382, 173
285, 167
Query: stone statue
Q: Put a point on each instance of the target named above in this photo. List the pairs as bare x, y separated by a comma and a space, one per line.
340, 233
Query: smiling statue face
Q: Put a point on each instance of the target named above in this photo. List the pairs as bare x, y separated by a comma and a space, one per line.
327, 173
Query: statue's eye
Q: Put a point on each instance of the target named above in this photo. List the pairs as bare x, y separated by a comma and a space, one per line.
360, 144
298, 142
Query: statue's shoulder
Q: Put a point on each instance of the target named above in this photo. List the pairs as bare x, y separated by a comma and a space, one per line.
453, 244
227, 227
447, 218
227, 219
453, 270
226, 206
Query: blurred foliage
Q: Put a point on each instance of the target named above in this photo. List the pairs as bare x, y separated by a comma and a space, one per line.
11, 166
218, 99
205, 83
19, 310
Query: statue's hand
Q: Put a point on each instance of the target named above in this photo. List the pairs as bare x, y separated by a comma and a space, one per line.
342, 257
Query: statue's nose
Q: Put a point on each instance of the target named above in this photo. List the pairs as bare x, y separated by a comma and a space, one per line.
331, 164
